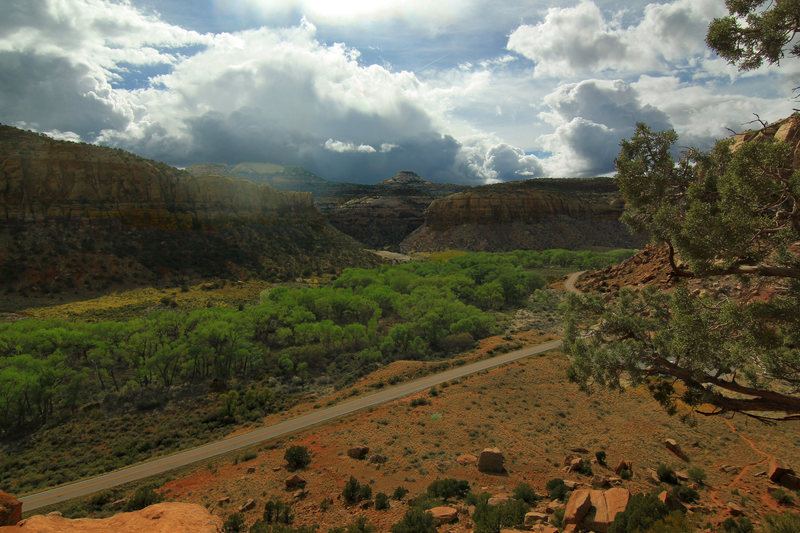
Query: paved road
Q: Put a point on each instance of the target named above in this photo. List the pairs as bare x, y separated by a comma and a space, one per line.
164, 464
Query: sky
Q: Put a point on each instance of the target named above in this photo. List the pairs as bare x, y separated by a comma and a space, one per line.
462, 91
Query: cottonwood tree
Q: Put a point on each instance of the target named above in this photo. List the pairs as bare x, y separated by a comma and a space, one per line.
728, 212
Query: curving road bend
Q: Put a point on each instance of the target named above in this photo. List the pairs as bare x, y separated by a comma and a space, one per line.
163, 464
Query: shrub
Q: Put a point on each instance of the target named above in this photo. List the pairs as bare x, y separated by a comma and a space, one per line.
415, 521
233, 524
325, 504
143, 497
675, 522
737, 525
399, 493
625, 474
787, 522
685, 494
782, 497
643, 511
381, 501
557, 489
277, 512
697, 475
666, 474
419, 401
557, 519
359, 525
355, 492
491, 518
601, 457
297, 457
525, 492
448, 488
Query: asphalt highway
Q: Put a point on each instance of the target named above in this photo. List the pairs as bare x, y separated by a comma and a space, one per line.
163, 464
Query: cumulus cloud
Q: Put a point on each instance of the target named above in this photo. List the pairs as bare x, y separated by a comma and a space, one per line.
339, 146
579, 40
492, 161
590, 119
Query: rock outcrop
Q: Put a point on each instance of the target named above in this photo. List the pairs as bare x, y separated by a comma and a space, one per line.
159, 518
534, 214
595, 510
10, 509
491, 461
81, 218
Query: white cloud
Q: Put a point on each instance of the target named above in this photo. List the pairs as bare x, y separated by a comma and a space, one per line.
590, 119
339, 146
580, 40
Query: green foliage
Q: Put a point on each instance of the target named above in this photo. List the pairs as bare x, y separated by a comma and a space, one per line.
643, 511
277, 512
399, 493
601, 457
297, 457
234, 523
697, 475
685, 494
725, 213
781, 496
491, 518
666, 474
415, 521
786, 522
358, 525
381, 501
557, 520
675, 522
143, 497
557, 489
737, 525
753, 33
625, 474
448, 488
355, 492
525, 492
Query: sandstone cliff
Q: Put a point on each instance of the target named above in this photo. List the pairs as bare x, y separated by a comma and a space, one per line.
41, 178
159, 518
77, 218
393, 210
534, 214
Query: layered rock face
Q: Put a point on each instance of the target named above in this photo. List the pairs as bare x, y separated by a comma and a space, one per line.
535, 214
78, 218
159, 518
786, 130
41, 178
392, 211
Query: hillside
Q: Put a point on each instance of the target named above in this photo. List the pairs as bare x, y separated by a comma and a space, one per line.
77, 218
532, 214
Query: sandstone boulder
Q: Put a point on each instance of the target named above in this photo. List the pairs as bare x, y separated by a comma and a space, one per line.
735, 509
673, 446
294, 481
491, 461
777, 469
595, 509
499, 499
10, 509
159, 518
532, 518
672, 503
466, 459
444, 515
575, 465
623, 465
246, 506
358, 452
